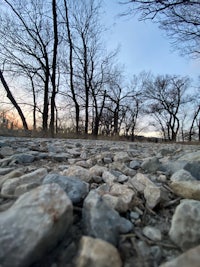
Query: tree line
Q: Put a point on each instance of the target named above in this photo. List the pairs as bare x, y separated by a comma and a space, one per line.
55, 53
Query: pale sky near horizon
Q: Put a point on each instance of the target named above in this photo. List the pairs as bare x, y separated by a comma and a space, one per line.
143, 46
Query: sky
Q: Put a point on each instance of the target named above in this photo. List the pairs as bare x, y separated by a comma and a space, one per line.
143, 46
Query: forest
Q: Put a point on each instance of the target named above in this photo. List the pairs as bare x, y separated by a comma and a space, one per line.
59, 78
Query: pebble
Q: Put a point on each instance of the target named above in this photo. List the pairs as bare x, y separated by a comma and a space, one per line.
98, 203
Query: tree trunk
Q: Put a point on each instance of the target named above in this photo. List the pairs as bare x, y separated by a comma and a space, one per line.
54, 66
77, 109
13, 101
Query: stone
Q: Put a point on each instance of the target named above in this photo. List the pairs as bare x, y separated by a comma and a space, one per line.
21, 189
98, 253
109, 177
134, 164
193, 168
154, 195
186, 189
33, 225
97, 170
33, 177
6, 151
182, 175
13, 174
152, 233
121, 156
151, 164
140, 181
117, 196
184, 231
189, 258
190, 157
101, 221
79, 172
75, 189
4, 171
23, 158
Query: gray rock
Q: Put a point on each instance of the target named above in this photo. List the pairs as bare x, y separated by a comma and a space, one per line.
190, 258
74, 188
135, 164
33, 225
152, 233
121, 156
101, 221
98, 253
190, 157
151, 165
184, 229
182, 175
140, 181
193, 168
13, 174
4, 171
22, 158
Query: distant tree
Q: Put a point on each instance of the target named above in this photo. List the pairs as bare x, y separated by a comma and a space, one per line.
166, 94
179, 18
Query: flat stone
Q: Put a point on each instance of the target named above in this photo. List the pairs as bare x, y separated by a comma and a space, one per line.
189, 157
184, 231
193, 168
186, 189
151, 164
98, 253
13, 174
121, 156
33, 225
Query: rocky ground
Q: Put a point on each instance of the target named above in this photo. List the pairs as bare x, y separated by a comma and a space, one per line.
84, 203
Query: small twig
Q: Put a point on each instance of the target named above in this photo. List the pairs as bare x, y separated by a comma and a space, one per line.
172, 202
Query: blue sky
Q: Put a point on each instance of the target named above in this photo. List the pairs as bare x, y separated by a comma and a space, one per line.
143, 46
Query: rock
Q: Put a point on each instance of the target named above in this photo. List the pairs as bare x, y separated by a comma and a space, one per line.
117, 196
98, 253
33, 225
101, 221
21, 189
33, 177
122, 167
152, 233
184, 231
154, 195
74, 188
6, 151
140, 181
13, 174
121, 156
109, 177
134, 164
182, 175
79, 172
190, 258
4, 171
151, 165
97, 170
190, 157
193, 168
186, 189
22, 158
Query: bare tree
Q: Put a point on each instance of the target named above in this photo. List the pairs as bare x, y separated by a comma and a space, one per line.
13, 101
180, 19
166, 94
